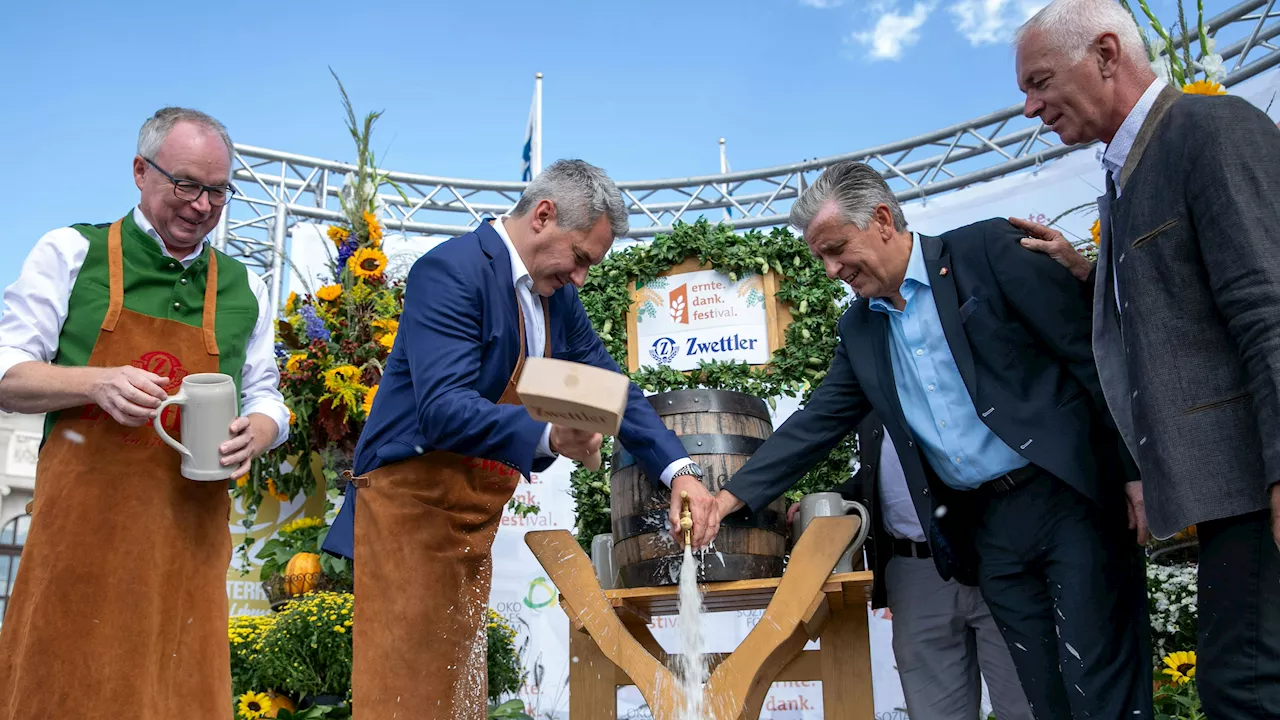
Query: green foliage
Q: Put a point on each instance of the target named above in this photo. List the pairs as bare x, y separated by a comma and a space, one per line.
316, 712
795, 369
308, 649
506, 671
509, 710
1173, 701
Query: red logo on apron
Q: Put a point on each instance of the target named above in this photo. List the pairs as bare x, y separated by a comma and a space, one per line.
163, 364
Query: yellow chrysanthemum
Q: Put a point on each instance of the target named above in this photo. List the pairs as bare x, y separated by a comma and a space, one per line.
388, 341
254, 705
336, 378
294, 363
1203, 87
329, 293
1096, 231
302, 524
375, 229
367, 263
290, 303
338, 235
367, 405
1181, 666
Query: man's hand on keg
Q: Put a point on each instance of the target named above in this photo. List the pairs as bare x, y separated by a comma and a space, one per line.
701, 508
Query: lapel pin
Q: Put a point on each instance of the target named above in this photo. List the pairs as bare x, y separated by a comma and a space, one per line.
943, 271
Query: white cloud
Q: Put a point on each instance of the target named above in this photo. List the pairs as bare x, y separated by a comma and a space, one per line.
992, 21
894, 32
822, 4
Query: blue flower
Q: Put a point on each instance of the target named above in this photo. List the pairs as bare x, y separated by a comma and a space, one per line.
345, 252
315, 326
281, 351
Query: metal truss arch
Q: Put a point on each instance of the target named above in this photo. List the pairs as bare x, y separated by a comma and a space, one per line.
277, 189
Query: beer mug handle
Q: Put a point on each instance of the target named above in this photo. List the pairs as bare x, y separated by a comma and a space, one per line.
178, 398
864, 527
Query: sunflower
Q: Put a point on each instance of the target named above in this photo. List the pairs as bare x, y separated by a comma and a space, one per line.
375, 229
1180, 666
335, 378
1096, 231
242, 481
302, 524
293, 417
329, 293
367, 263
294, 364
388, 341
368, 399
290, 303
386, 325
1203, 87
338, 235
254, 705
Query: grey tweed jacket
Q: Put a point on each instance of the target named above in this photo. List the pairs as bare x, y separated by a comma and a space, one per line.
1189, 360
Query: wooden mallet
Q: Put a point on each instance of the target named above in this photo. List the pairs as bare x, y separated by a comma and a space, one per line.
574, 395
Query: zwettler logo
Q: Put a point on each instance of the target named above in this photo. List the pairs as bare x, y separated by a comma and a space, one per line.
664, 350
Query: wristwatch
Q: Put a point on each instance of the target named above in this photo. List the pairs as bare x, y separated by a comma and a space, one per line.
691, 468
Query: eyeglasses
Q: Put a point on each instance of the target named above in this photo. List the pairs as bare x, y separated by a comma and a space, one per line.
190, 190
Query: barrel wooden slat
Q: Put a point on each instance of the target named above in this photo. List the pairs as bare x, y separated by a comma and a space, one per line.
727, 427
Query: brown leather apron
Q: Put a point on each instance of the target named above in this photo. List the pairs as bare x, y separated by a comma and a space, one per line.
120, 609
423, 534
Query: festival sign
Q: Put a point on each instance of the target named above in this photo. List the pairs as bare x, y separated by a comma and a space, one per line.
691, 314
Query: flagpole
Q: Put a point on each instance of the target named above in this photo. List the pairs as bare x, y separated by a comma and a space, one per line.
724, 168
537, 127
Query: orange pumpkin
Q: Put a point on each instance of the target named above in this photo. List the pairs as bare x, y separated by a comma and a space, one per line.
301, 573
278, 703
1187, 534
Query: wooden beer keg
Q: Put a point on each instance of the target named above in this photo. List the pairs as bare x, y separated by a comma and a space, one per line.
720, 430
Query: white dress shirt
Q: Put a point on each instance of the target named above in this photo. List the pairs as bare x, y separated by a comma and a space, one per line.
1117, 153
897, 509
535, 334
35, 307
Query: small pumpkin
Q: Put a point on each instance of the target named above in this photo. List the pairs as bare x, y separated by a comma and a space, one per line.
278, 703
301, 573
1186, 534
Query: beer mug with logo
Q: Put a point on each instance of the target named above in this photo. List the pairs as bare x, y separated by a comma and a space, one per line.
208, 402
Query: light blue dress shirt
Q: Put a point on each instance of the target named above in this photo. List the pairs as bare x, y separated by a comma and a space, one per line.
960, 447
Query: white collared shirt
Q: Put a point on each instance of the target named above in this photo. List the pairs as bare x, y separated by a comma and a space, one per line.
35, 307
897, 508
1117, 153
535, 332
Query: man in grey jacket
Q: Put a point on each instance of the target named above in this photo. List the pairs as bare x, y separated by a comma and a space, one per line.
1186, 318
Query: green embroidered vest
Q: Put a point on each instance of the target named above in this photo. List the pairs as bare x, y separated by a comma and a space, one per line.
159, 286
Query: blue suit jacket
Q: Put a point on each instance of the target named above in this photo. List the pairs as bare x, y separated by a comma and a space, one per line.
458, 343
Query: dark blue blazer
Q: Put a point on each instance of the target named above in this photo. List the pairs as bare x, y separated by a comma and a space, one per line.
1018, 325
458, 343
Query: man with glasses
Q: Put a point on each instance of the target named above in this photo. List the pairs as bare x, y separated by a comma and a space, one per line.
122, 598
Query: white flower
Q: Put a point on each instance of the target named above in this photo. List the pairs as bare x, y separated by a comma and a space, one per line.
1213, 69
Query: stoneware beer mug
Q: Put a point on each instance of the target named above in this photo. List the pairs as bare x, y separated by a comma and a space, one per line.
208, 402
831, 504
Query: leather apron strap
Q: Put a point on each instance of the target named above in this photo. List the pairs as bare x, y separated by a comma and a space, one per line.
115, 275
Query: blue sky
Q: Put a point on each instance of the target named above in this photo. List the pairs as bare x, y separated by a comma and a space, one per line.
643, 89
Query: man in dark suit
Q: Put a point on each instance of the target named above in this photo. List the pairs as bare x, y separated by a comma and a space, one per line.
447, 439
945, 641
1186, 299
976, 355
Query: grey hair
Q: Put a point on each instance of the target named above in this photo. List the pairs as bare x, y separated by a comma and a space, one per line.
158, 126
856, 189
1070, 27
581, 192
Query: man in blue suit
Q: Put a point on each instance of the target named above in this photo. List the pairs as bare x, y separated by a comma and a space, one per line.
447, 439
976, 356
